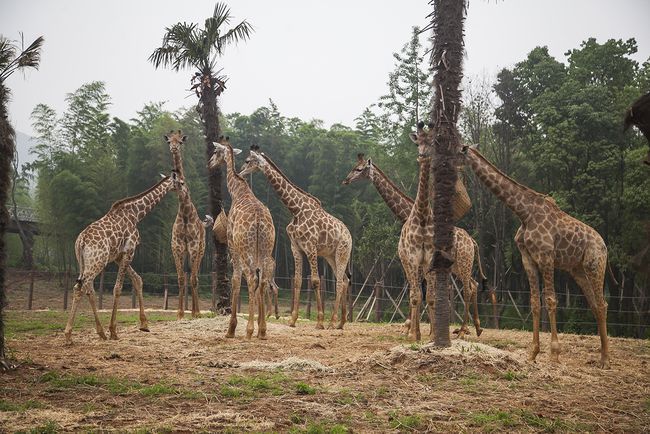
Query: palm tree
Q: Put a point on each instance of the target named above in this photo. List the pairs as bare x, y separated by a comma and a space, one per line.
447, 22
11, 60
189, 46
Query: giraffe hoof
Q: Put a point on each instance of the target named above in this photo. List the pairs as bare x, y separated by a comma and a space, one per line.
262, 336
604, 364
114, 337
102, 336
456, 331
67, 342
478, 332
230, 335
320, 327
144, 329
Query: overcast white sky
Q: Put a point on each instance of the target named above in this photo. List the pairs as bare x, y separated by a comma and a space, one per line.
325, 59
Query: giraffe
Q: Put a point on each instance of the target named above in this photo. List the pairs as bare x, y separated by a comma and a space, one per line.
464, 245
313, 232
188, 232
251, 237
220, 232
114, 238
548, 238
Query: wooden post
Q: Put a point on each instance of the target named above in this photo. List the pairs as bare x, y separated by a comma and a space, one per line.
213, 282
101, 290
379, 287
165, 292
309, 291
30, 295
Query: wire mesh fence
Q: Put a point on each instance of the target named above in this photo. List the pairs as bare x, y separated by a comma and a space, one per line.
366, 301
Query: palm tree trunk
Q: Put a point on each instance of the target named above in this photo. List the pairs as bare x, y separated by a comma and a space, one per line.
6, 156
212, 130
446, 61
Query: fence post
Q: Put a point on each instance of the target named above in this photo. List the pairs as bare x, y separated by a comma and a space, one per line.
379, 286
165, 293
213, 282
309, 297
30, 295
101, 290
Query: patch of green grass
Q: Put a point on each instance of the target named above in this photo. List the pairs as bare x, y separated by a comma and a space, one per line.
237, 386
115, 386
50, 427
382, 392
546, 424
158, 430
415, 347
20, 407
513, 375
391, 338
322, 427
46, 322
493, 420
305, 389
296, 418
411, 422
646, 404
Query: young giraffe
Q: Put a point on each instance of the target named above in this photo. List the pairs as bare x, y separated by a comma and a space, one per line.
251, 237
114, 237
548, 238
313, 232
188, 232
464, 245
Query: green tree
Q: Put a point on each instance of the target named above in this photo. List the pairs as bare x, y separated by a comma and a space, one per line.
189, 46
12, 59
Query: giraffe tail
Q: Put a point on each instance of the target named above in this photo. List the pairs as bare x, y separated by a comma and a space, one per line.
483, 283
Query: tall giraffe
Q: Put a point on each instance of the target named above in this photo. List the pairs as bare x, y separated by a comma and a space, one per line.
114, 238
188, 232
549, 238
464, 246
251, 237
220, 232
313, 232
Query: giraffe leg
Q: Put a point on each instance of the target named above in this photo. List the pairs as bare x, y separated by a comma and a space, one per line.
431, 301
196, 264
467, 299
117, 291
598, 306
77, 292
90, 291
269, 301
253, 289
533, 280
264, 287
136, 280
337, 300
180, 273
415, 298
342, 280
477, 320
297, 283
234, 298
551, 304
315, 283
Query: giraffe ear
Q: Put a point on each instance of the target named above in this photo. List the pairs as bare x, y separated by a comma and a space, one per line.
369, 162
236, 151
414, 138
166, 138
183, 139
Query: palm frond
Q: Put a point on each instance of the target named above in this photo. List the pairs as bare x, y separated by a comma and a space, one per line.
241, 32
30, 57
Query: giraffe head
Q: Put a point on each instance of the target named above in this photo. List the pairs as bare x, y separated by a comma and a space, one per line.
423, 138
254, 162
464, 152
362, 170
221, 147
177, 182
175, 140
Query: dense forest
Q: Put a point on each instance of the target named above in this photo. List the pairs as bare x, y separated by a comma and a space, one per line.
555, 125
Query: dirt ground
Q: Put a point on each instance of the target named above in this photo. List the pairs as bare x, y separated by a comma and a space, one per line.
185, 376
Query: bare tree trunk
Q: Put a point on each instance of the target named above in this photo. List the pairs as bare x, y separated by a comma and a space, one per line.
447, 21
210, 116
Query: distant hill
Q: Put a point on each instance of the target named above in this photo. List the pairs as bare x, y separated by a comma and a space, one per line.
23, 143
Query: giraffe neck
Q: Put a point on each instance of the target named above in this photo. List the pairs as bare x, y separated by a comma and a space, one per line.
185, 205
400, 204
293, 197
138, 206
422, 205
237, 186
515, 196
177, 161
